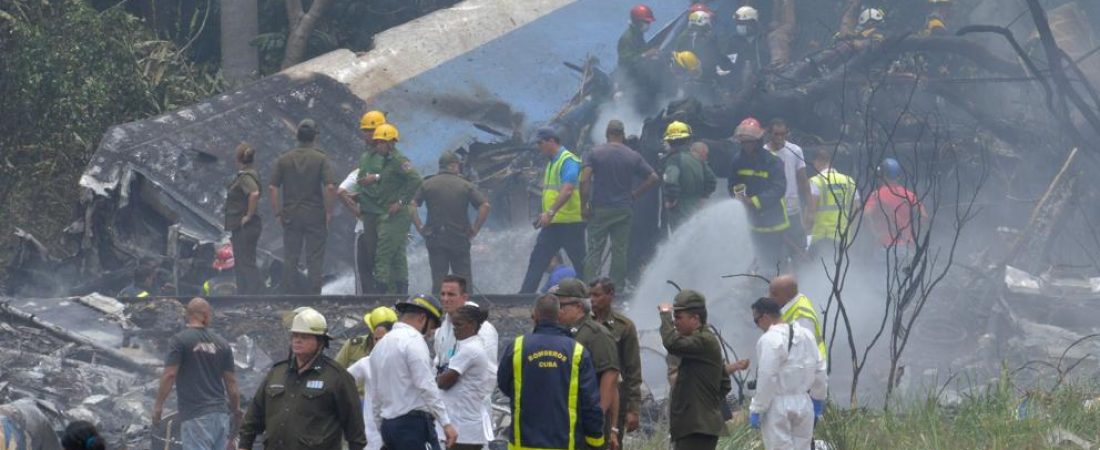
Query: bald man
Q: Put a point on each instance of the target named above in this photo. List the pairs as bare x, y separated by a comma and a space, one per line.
200, 365
795, 307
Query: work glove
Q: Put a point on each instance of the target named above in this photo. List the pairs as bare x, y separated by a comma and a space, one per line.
754, 421
819, 408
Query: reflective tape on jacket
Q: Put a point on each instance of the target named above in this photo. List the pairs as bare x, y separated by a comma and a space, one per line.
573, 399
570, 212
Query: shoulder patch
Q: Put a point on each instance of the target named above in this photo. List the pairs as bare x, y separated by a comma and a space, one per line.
406, 166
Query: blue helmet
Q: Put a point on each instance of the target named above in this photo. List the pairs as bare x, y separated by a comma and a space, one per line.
890, 168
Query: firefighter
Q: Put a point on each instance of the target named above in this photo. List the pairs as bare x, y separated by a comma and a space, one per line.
688, 181
397, 182
833, 195
225, 282
379, 321
758, 181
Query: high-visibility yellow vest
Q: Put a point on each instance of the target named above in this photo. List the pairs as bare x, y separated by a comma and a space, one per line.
802, 308
836, 192
570, 212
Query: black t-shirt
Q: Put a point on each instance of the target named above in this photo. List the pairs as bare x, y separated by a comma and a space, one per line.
203, 357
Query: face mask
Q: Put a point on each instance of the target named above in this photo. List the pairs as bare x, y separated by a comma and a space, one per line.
644, 26
742, 30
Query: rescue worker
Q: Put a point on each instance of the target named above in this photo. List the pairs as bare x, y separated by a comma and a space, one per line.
360, 371
448, 233
379, 321
402, 386
791, 381
833, 196
602, 292
701, 384
397, 182
632, 46
608, 191
758, 181
687, 181
699, 39
225, 282
560, 224
895, 213
306, 401
308, 187
242, 221
798, 185
870, 24
576, 315
143, 283
639, 72
795, 307
745, 49
360, 196
551, 384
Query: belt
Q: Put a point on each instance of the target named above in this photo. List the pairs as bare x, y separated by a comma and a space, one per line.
416, 413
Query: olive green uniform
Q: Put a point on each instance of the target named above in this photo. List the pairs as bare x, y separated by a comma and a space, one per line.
601, 346
687, 182
399, 182
303, 173
695, 401
246, 238
317, 409
448, 197
370, 211
630, 360
354, 350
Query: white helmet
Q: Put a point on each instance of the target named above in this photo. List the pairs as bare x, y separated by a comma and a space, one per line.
309, 321
746, 13
699, 19
871, 14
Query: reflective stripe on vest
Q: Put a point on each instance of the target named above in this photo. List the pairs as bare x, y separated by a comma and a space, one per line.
837, 193
804, 309
574, 396
570, 212
786, 223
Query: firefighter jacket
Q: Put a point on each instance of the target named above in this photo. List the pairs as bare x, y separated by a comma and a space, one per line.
765, 184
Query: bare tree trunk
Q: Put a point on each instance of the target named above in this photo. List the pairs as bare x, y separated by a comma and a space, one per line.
240, 24
783, 27
301, 26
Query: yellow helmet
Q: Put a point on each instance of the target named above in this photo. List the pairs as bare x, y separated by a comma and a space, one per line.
687, 60
372, 120
379, 316
677, 130
309, 321
386, 132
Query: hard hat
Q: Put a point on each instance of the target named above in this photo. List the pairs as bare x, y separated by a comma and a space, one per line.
890, 168
309, 321
372, 120
746, 13
425, 303
699, 19
677, 130
386, 132
687, 60
935, 23
223, 258
749, 130
379, 316
699, 6
288, 316
871, 14
641, 13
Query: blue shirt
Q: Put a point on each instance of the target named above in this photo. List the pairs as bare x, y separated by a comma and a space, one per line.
570, 169
559, 273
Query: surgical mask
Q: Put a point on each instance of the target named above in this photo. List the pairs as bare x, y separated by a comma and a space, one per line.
644, 26
743, 30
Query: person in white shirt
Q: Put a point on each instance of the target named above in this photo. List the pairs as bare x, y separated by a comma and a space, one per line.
361, 372
405, 398
798, 184
364, 246
467, 381
791, 382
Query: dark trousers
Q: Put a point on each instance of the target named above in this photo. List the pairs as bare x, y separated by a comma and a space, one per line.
245, 239
308, 231
366, 245
552, 239
411, 431
467, 447
449, 258
769, 252
695, 441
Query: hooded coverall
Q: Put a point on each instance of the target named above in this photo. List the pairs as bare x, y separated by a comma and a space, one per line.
791, 372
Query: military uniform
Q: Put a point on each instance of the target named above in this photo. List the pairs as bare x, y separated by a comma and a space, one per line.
371, 211
317, 409
630, 362
695, 401
303, 173
399, 181
688, 181
448, 196
244, 238
354, 350
592, 336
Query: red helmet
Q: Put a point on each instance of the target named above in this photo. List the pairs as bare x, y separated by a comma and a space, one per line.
700, 6
641, 13
223, 258
749, 130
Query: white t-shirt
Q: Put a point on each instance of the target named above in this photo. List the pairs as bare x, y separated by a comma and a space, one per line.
793, 160
361, 372
351, 186
466, 399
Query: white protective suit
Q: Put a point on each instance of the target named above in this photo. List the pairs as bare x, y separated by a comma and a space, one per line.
786, 381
